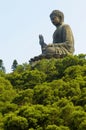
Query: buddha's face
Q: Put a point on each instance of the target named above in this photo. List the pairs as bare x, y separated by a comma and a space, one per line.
55, 20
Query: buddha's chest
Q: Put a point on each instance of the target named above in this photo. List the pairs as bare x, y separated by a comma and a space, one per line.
57, 36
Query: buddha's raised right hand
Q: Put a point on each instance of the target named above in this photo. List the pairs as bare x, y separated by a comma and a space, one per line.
41, 40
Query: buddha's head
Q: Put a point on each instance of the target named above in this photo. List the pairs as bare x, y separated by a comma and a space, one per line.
57, 17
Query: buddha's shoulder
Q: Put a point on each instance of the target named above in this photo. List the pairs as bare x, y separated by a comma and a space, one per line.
65, 26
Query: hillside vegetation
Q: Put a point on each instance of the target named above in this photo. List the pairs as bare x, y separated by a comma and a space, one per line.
50, 95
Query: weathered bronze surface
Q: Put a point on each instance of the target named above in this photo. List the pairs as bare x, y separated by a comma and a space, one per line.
63, 40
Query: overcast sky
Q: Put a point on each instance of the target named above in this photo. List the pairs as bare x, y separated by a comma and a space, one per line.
21, 21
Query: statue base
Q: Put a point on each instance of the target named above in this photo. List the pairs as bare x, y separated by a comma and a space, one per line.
40, 57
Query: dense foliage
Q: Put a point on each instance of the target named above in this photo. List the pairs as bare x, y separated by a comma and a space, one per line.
49, 95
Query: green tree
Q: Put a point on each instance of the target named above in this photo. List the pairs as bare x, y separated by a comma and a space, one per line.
14, 65
24, 97
82, 56
53, 127
6, 90
48, 67
82, 125
32, 78
13, 122
2, 68
7, 107
43, 94
22, 68
77, 117
1, 122
27, 79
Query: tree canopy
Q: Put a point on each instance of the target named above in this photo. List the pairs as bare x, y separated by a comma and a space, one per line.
49, 95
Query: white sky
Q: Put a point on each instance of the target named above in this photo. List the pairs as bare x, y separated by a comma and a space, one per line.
21, 21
